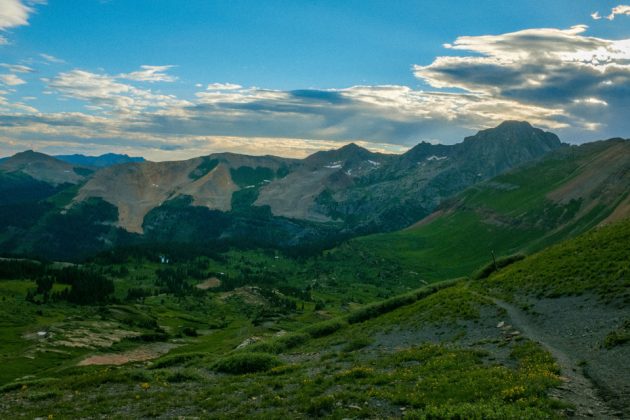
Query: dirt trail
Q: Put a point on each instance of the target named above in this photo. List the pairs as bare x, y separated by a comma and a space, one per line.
577, 389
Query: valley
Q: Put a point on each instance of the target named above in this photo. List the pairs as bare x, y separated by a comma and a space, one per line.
265, 287
498, 338
314, 209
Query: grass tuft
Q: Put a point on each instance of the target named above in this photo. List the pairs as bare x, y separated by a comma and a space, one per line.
246, 362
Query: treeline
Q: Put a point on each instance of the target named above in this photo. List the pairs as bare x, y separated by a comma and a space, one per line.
177, 252
14, 269
86, 285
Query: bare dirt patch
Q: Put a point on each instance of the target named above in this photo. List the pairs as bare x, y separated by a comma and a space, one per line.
140, 354
210, 283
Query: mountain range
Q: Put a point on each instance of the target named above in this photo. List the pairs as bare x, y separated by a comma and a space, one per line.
492, 283
76, 207
108, 159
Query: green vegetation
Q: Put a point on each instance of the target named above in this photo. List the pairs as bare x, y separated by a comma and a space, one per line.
246, 176
246, 362
495, 265
595, 262
308, 377
372, 328
618, 336
510, 214
204, 168
379, 308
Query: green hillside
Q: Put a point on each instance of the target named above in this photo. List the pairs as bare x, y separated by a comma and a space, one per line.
566, 193
457, 349
370, 328
597, 263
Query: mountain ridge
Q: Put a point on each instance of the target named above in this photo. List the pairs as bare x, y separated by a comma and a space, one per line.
45, 168
100, 161
281, 202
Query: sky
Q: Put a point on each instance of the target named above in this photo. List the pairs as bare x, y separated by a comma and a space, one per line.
173, 79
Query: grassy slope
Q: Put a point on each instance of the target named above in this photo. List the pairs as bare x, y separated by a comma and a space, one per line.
597, 262
509, 214
379, 365
349, 371
433, 352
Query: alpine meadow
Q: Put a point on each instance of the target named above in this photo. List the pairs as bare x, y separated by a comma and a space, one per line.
297, 209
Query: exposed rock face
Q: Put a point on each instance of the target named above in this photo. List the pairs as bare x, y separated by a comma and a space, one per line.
267, 199
333, 170
407, 188
137, 188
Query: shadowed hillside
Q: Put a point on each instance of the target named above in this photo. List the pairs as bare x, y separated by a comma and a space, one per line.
566, 193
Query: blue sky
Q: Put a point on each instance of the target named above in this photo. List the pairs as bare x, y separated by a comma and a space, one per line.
174, 79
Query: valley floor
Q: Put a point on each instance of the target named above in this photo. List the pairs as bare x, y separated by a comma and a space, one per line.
543, 336
455, 352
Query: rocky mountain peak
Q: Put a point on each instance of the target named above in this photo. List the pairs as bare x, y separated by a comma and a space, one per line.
518, 134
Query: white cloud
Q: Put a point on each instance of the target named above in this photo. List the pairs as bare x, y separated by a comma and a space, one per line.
150, 74
590, 101
551, 68
17, 68
11, 80
559, 79
106, 92
619, 10
13, 13
52, 58
224, 86
616, 11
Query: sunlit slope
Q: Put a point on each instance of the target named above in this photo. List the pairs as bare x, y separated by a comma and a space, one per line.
597, 262
567, 193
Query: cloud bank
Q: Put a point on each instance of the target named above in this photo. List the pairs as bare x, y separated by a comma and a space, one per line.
558, 79
585, 79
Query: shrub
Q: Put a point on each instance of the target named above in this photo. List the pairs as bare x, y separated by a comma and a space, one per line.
375, 309
321, 406
618, 336
491, 267
150, 337
26, 384
44, 395
189, 331
325, 328
293, 340
182, 375
358, 372
270, 346
246, 362
279, 344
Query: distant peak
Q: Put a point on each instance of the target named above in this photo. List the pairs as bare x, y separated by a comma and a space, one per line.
514, 124
513, 135
30, 154
27, 153
352, 146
